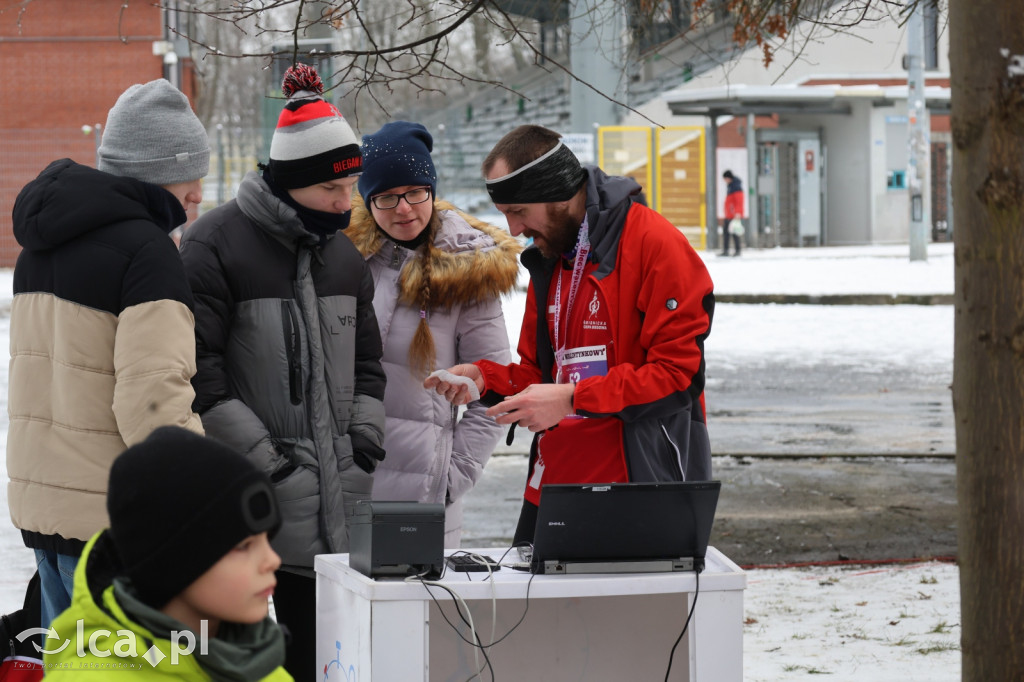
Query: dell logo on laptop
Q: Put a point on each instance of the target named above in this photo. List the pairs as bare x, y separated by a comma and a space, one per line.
556, 523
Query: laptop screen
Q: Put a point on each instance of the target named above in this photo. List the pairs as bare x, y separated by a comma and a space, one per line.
625, 521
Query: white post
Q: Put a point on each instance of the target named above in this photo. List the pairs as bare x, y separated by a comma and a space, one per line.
753, 232
918, 170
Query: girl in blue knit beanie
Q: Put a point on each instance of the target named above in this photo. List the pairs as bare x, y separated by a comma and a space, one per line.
439, 275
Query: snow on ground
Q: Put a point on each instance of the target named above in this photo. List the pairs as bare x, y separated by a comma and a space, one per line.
742, 334
877, 335
883, 623
833, 270
888, 623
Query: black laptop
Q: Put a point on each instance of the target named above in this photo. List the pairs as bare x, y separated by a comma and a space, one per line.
624, 527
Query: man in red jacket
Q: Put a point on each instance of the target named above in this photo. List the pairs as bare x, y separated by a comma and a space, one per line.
612, 342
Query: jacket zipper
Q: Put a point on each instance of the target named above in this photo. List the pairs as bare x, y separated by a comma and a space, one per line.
292, 345
675, 448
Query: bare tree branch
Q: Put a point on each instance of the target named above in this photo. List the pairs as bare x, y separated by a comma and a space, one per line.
386, 52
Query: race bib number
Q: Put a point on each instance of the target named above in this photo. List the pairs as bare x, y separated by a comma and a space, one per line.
576, 364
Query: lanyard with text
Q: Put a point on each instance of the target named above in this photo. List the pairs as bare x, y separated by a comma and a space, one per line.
582, 251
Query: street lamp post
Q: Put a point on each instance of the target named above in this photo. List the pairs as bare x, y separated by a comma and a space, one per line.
918, 137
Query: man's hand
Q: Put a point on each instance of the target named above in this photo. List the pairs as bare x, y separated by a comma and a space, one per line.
538, 407
365, 452
457, 393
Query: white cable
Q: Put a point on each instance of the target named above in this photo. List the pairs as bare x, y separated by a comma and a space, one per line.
488, 562
494, 606
469, 616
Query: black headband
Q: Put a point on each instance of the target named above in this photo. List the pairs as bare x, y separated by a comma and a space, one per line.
555, 176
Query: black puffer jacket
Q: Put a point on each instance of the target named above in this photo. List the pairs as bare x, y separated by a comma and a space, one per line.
289, 360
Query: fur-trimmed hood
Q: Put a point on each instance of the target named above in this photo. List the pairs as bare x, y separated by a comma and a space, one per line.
472, 260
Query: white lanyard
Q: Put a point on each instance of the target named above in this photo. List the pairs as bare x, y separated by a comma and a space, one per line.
582, 251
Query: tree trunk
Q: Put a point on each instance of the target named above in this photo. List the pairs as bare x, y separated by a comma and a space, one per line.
987, 73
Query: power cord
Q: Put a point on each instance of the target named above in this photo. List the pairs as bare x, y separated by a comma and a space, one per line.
478, 646
693, 607
467, 619
476, 643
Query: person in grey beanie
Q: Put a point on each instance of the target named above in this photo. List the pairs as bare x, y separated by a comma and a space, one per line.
102, 328
153, 136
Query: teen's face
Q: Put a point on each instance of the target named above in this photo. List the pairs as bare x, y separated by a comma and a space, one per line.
553, 230
188, 193
334, 196
405, 221
235, 589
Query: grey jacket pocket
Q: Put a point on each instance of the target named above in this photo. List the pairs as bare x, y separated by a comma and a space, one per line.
356, 484
297, 486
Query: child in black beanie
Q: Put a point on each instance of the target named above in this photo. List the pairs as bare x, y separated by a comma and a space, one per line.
179, 584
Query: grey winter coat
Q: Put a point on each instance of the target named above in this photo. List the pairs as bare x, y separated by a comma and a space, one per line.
288, 360
432, 454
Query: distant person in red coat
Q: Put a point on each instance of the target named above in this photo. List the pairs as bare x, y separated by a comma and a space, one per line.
733, 209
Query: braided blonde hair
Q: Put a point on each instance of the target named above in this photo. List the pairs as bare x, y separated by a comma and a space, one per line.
422, 352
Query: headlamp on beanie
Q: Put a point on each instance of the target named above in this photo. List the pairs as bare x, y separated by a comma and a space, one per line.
313, 142
178, 502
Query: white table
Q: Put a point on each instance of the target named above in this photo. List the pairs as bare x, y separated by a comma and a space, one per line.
578, 627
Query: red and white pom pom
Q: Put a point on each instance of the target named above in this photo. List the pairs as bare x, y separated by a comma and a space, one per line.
301, 77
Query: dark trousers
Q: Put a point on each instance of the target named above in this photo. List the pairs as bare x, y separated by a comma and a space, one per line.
726, 235
295, 606
527, 524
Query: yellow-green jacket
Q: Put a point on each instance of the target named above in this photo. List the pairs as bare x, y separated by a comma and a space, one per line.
101, 636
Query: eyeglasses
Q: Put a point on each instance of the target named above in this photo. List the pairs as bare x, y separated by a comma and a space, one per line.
385, 202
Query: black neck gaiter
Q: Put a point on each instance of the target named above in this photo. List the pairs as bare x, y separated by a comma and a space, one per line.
320, 223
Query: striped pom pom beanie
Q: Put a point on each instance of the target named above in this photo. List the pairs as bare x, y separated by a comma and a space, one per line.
313, 142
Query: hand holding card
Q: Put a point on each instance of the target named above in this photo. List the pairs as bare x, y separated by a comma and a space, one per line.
455, 379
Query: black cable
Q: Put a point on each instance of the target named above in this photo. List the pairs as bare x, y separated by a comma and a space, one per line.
455, 599
696, 593
458, 610
461, 551
522, 617
519, 622
483, 647
479, 643
526, 610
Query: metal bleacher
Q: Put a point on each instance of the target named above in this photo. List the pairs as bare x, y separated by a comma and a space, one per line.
467, 127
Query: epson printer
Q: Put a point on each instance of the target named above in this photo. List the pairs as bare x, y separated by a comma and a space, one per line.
397, 539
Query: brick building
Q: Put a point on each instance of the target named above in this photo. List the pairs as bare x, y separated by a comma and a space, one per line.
64, 64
